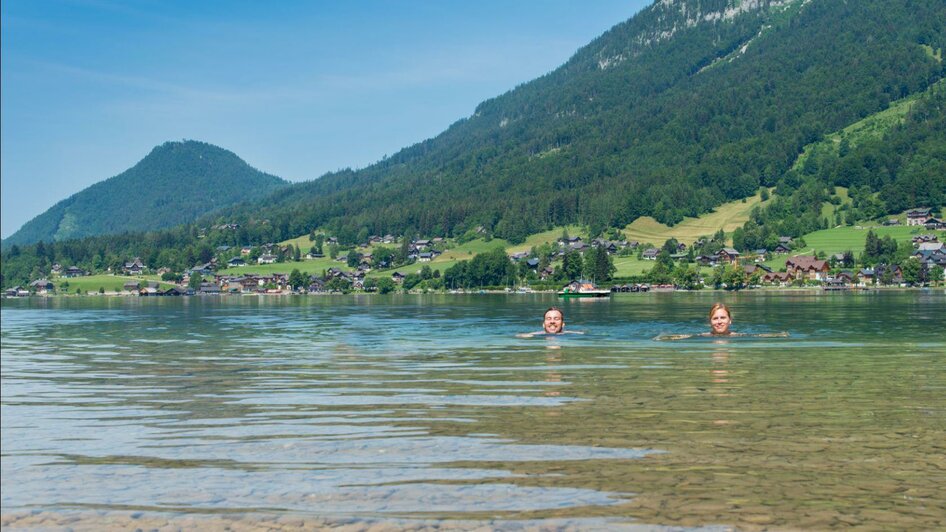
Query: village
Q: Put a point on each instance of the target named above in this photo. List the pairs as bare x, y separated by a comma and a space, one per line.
375, 266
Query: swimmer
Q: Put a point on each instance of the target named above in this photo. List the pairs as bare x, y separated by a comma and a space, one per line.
720, 319
553, 322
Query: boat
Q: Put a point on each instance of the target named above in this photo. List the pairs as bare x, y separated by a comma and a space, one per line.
583, 289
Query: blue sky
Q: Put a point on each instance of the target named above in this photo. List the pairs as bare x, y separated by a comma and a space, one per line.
295, 88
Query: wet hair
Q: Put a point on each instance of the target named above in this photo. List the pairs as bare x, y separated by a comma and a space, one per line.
556, 309
719, 306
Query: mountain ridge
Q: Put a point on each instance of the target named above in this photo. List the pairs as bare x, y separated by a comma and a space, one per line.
177, 182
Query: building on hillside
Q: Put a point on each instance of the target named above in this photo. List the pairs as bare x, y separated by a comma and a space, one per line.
807, 267
135, 267
918, 216
728, 255
73, 271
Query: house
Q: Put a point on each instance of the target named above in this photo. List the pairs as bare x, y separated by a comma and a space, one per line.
246, 250
777, 278
266, 259
388, 239
847, 276
930, 246
546, 273
760, 255
175, 291
222, 248
920, 239
934, 223
206, 268
73, 271
421, 244
864, 277
150, 290
519, 255
570, 240
706, 260
728, 255
807, 267
650, 254
209, 289
397, 277
751, 269
888, 274
532, 263
918, 216
134, 267
891, 221
236, 262
42, 286
425, 256
781, 249
131, 286
57, 268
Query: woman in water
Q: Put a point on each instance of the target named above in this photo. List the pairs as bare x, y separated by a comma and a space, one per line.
720, 319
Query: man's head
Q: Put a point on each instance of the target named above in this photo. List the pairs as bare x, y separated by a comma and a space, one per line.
554, 321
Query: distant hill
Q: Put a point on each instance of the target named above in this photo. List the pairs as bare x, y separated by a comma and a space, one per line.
687, 105
176, 183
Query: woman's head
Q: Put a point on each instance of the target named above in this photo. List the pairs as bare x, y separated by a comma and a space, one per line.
720, 319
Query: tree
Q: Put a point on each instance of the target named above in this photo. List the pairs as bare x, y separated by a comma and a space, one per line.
353, 259
687, 278
911, 270
195, 281
603, 265
298, 279
935, 275
386, 285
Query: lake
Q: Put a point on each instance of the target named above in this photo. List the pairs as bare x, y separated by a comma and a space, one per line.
425, 412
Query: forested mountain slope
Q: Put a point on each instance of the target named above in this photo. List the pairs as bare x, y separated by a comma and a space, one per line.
686, 105
175, 184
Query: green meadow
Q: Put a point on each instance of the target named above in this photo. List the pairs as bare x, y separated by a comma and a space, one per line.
111, 283
727, 217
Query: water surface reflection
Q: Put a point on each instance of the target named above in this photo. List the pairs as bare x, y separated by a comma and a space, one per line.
419, 408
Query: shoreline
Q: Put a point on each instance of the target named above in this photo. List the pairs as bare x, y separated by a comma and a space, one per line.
789, 289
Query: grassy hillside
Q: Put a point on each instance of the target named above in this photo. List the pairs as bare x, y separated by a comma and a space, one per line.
727, 217
874, 126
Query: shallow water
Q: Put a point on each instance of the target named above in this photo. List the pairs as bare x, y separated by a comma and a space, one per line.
427, 412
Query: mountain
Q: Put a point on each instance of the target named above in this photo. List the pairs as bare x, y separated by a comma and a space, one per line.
689, 104
174, 184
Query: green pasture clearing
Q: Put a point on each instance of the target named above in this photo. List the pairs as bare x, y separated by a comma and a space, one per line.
470, 249
840, 239
314, 266
629, 266
870, 127
550, 236
111, 283
727, 217
828, 209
